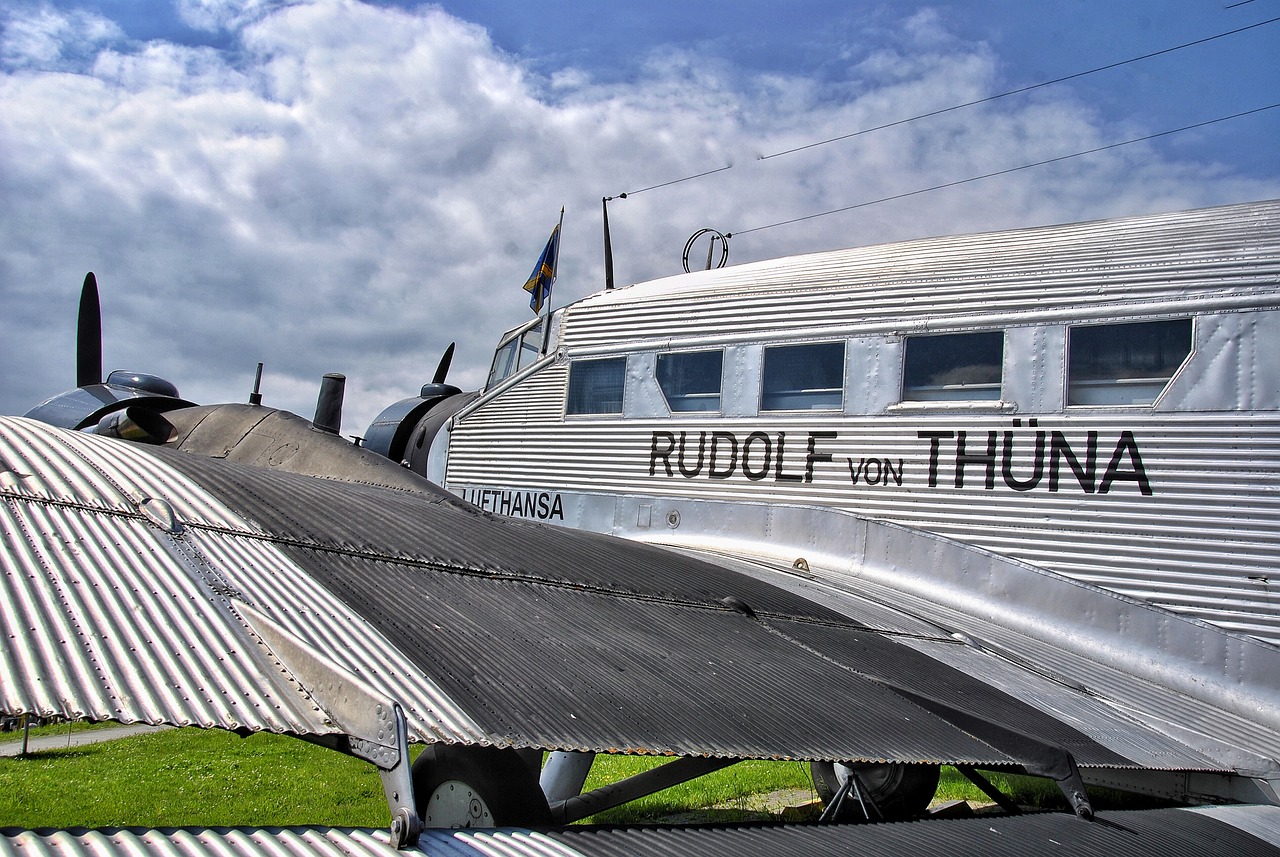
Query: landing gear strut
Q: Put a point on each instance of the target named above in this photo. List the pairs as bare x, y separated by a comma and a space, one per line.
886, 791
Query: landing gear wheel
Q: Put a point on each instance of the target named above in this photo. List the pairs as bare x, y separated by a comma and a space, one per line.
460, 785
899, 791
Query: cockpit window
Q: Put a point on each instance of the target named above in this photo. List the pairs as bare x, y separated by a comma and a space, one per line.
1125, 364
803, 377
691, 381
517, 350
595, 386
953, 367
504, 362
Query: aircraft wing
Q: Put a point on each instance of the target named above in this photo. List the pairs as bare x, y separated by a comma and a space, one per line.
1251, 831
145, 584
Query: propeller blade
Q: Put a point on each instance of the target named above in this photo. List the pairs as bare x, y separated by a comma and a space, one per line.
89, 335
442, 370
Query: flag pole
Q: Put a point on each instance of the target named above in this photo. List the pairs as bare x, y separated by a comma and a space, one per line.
546, 319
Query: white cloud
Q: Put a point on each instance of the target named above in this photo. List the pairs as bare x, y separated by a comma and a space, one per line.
352, 187
46, 38
218, 15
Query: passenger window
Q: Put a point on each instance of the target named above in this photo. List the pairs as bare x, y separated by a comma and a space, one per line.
803, 377
595, 386
1125, 364
691, 381
953, 367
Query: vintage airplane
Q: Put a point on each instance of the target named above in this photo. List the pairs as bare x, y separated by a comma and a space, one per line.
1054, 429
238, 567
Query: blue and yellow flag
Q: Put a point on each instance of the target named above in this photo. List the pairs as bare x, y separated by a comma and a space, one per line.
544, 273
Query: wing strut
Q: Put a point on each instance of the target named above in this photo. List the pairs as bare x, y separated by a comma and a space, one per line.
375, 726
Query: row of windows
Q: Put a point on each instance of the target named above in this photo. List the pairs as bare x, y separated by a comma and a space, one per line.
1110, 364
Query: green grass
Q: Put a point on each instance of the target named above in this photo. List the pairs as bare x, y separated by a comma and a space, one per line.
1026, 791
72, 726
192, 777
721, 796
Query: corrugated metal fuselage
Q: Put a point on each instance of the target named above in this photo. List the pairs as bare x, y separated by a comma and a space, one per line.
1172, 500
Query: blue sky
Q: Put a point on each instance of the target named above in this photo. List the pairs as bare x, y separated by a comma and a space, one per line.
329, 185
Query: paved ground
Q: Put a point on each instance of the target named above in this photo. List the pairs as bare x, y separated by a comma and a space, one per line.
11, 742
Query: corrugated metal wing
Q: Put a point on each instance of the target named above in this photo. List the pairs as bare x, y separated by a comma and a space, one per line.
111, 617
490, 630
1239, 831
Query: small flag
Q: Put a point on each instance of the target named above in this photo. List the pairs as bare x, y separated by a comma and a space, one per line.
544, 273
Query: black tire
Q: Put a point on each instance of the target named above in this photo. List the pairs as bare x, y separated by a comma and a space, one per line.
899, 791
463, 785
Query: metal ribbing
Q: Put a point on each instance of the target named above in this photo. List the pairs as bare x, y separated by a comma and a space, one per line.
1107, 674
156, 644
496, 611
1086, 269
1203, 544
73, 465
558, 667
190, 842
575, 641
1149, 833
1257, 821
101, 622
271, 582
421, 532
108, 617
1109, 726
1152, 833
923, 627
541, 398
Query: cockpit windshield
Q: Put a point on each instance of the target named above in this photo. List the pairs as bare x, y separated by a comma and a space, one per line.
518, 349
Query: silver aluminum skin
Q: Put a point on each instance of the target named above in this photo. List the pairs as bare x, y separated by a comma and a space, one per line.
1252, 831
1148, 600
1203, 543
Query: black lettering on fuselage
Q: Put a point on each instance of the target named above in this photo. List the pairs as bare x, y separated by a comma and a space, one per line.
1080, 460
1037, 460
665, 454
1020, 459
724, 446
875, 471
760, 441
539, 505
1126, 446
685, 470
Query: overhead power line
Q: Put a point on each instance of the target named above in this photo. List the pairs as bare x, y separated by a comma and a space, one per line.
1005, 171
1018, 91
676, 181
953, 108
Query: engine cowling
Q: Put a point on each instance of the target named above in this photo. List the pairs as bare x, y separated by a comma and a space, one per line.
86, 406
404, 431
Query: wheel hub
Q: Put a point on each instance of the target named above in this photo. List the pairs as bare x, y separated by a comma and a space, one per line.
456, 804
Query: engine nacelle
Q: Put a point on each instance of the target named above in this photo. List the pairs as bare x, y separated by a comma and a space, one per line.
403, 431
86, 406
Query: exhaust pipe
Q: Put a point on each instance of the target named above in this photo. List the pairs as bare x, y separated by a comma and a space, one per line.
328, 417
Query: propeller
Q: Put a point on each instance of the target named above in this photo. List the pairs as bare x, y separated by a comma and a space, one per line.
442, 369
96, 399
89, 335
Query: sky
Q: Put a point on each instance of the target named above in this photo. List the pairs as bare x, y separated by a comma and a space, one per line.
343, 186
